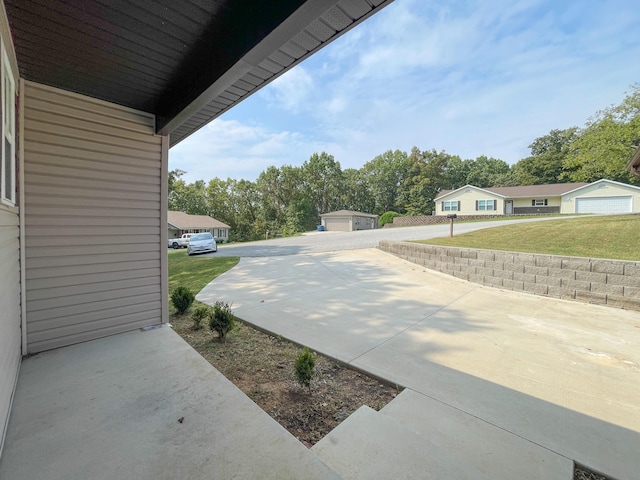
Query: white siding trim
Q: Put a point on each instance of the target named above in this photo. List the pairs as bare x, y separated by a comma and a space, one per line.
164, 232
23, 241
95, 218
10, 278
10, 352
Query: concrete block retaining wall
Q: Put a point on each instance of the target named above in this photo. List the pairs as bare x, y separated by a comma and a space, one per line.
435, 219
615, 283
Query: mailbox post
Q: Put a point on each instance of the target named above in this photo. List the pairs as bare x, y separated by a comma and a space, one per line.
451, 216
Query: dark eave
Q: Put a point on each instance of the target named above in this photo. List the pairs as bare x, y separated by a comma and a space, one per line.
187, 62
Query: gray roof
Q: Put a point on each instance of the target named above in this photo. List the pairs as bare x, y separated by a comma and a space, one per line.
348, 213
527, 191
185, 221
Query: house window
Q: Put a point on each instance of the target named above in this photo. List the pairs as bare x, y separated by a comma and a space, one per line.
7, 132
486, 205
451, 206
539, 203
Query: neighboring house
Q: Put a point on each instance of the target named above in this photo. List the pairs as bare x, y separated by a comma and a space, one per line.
601, 197
93, 95
348, 221
180, 222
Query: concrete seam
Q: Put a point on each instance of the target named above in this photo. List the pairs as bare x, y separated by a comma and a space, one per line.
412, 325
489, 423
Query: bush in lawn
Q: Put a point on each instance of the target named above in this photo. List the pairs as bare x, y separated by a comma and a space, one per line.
198, 315
304, 366
182, 299
387, 217
221, 319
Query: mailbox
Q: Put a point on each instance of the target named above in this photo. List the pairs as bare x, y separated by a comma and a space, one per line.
452, 215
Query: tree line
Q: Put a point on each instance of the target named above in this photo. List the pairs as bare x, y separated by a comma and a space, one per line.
290, 199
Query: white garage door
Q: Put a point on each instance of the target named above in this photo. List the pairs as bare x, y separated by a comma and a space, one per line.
603, 205
337, 224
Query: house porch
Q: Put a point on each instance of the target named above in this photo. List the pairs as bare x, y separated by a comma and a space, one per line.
142, 405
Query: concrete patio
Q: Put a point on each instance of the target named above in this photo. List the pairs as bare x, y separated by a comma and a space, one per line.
142, 405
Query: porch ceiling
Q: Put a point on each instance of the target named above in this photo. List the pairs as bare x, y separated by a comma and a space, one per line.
186, 62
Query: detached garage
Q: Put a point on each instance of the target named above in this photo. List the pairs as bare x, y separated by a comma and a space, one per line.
604, 197
348, 221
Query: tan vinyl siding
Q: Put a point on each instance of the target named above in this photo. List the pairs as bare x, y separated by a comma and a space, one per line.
602, 190
94, 222
10, 344
468, 196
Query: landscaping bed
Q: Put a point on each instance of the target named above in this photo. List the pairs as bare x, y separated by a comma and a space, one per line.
262, 366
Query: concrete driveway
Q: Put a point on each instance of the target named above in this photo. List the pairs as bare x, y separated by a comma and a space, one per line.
561, 375
314, 242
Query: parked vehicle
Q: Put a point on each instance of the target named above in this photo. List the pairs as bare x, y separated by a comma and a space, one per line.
180, 242
201, 243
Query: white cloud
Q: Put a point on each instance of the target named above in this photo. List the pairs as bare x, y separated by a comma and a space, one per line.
468, 78
229, 148
291, 90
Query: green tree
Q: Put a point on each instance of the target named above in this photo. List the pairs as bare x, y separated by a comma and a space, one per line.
606, 144
246, 210
455, 172
286, 204
220, 205
548, 154
189, 198
383, 176
484, 171
173, 177
299, 217
323, 183
356, 195
426, 177
270, 188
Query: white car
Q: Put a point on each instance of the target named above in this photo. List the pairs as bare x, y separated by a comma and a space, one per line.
201, 243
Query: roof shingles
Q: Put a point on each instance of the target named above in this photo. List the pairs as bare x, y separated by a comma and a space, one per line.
553, 189
185, 221
348, 213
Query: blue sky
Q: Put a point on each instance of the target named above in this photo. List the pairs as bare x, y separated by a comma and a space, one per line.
468, 77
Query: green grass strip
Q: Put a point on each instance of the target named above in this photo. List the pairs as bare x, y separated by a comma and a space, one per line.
613, 237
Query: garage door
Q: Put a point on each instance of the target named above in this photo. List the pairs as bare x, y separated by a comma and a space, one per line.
603, 205
337, 224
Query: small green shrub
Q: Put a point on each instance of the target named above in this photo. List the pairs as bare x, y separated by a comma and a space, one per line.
304, 366
199, 314
221, 319
387, 217
182, 299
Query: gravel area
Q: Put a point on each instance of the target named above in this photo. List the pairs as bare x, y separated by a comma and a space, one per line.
581, 473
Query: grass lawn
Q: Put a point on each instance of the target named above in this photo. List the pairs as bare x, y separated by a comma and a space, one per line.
614, 237
197, 271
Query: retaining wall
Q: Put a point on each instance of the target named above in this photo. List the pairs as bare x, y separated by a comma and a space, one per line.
435, 219
615, 283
